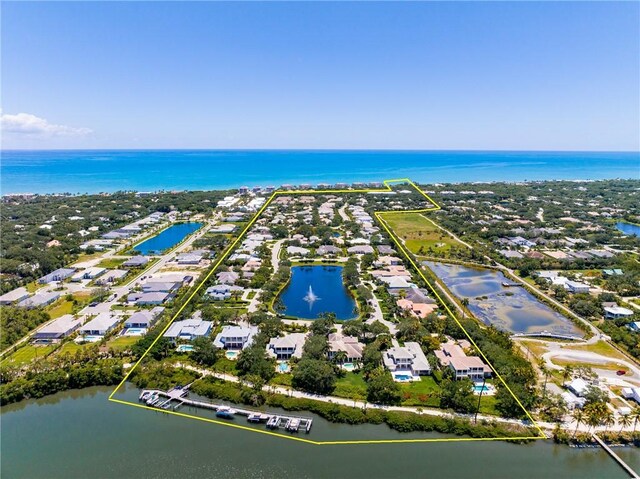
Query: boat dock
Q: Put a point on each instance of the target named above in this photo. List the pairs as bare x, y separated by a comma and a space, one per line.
511, 285
164, 399
617, 458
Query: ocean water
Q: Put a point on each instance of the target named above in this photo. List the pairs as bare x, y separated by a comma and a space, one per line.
76, 171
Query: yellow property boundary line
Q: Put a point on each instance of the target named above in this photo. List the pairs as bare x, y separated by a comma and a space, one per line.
379, 217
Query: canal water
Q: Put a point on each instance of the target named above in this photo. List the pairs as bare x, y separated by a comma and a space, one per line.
79, 434
628, 228
167, 239
512, 309
317, 289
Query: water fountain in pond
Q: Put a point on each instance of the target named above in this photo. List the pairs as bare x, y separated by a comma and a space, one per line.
310, 297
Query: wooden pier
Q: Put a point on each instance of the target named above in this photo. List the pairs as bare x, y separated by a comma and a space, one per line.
617, 458
163, 399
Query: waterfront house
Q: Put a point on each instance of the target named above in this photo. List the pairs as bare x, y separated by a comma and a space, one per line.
189, 329
135, 262
235, 337
14, 296
452, 355
58, 329
408, 359
287, 346
58, 275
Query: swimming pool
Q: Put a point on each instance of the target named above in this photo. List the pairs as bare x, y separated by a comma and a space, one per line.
184, 348
479, 388
403, 377
134, 331
231, 354
348, 366
283, 367
92, 338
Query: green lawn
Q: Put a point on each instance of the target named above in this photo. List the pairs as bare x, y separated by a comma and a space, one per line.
120, 343
351, 386
224, 365
26, 354
420, 233
421, 393
281, 380
70, 347
60, 308
111, 263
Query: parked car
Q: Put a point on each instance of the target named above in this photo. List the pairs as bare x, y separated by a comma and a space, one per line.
621, 372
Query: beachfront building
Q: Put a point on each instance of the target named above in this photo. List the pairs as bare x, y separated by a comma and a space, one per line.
235, 337
189, 329
406, 362
58, 329
287, 346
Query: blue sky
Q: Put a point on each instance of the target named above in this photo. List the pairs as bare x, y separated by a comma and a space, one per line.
518, 76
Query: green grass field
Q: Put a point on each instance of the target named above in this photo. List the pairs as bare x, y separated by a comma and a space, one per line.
351, 386
120, 343
71, 347
60, 308
111, 263
27, 354
420, 234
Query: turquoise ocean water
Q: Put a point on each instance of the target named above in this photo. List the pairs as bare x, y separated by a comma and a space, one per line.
80, 171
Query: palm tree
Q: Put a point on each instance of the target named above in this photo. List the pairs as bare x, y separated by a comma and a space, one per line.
635, 417
340, 357
578, 416
608, 419
625, 421
545, 371
567, 373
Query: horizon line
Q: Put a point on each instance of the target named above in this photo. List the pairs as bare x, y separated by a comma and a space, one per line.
407, 150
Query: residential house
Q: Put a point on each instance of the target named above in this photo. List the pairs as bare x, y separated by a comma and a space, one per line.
235, 337
135, 262
58, 329
143, 319
406, 359
227, 277
221, 292
14, 296
58, 275
100, 325
347, 344
287, 346
39, 299
615, 312
189, 329
360, 249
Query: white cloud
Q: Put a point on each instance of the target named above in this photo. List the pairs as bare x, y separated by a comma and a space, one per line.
27, 124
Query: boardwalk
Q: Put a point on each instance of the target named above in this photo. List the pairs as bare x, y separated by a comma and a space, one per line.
617, 458
163, 400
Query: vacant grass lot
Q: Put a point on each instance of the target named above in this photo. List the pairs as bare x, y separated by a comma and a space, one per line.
420, 234
111, 263
27, 354
351, 386
120, 343
60, 308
